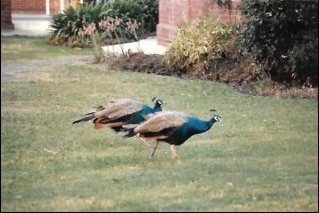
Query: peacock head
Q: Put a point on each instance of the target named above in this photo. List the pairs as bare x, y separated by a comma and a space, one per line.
217, 118
158, 101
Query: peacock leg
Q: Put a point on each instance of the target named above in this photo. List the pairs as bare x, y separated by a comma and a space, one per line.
154, 149
142, 140
113, 140
174, 154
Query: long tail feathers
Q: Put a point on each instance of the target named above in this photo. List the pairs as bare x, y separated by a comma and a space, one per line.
86, 118
89, 115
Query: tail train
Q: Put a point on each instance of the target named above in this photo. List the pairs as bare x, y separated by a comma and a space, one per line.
89, 115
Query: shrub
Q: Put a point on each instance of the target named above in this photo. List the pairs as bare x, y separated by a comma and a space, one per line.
282, 37
197, 45
67, 26
144, 12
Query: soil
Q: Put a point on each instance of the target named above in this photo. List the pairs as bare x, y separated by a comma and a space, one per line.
239, 76
140, 62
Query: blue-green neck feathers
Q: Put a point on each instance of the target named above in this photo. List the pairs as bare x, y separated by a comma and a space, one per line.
158, 105
196, 126
141, 115
191, 127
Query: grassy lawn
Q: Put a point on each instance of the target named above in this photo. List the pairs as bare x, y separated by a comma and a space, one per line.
263, 156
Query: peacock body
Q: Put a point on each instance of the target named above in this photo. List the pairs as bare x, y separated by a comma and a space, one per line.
118, 112
171, 127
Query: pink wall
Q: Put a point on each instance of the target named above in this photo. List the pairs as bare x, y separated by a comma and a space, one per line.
172, 13
37, 6
6, 19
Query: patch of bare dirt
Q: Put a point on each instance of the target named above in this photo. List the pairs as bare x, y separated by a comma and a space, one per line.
140, 62
240, 76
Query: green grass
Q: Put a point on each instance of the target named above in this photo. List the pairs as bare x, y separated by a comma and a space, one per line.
22, 47
263, 156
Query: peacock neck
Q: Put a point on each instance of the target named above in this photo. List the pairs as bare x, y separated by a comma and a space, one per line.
199, 126
212, 121
208, 124
157, 108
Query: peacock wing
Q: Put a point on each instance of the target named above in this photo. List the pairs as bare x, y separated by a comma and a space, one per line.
118, 108
162, 120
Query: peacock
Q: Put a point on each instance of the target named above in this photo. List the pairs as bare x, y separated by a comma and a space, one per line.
118, 112
171, 127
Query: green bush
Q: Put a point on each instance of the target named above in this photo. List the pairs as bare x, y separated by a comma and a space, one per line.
144, 12
67, 27
197, 45
282, 37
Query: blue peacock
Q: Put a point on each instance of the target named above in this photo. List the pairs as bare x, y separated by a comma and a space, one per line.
171, 127
119, 112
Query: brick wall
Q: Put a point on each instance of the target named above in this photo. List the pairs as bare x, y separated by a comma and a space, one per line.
37, 6
6, 19
172, 13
